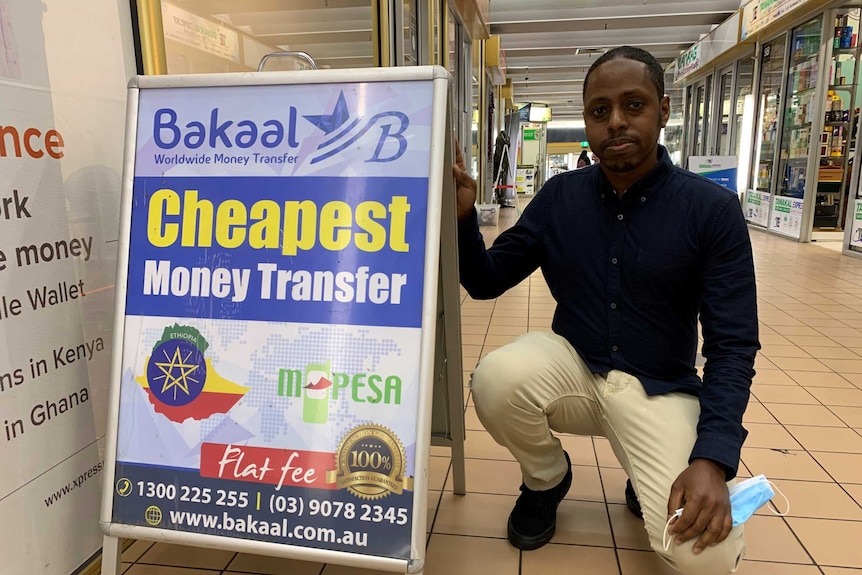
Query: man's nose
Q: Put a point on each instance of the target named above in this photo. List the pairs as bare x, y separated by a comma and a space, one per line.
617, 119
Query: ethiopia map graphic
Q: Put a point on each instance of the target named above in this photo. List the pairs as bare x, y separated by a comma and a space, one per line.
182, 383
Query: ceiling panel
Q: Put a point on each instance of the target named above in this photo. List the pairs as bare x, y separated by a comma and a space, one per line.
550, 44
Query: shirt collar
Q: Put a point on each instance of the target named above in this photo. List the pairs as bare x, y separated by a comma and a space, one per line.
644, 188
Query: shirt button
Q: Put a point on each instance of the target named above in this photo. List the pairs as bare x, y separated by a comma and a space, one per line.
614, 348
619, 216
614, 260
643, 199
613, 306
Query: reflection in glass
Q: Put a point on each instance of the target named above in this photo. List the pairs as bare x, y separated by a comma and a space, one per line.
724, 121
701, 125
799, 109
237, 34
673, 132
744, 83
411, 33
769, 103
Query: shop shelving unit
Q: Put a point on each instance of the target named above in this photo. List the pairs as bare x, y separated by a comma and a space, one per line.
838, 138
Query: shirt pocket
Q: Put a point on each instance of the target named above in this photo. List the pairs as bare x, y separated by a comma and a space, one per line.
663, 277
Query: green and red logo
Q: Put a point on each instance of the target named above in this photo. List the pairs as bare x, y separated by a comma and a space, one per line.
318, 386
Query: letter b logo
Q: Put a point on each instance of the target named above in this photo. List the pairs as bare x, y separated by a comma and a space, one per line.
388, 134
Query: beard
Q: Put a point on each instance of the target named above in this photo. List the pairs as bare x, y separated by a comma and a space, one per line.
619, 164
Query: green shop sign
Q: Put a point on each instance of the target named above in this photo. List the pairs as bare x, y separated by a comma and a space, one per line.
782, 205
532, 133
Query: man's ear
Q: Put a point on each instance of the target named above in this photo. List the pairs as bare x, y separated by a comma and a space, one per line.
665, 110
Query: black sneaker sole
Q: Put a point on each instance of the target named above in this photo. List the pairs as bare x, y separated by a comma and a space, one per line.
632, 502
530, 543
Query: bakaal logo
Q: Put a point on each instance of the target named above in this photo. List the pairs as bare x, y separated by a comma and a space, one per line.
318, 386
340, 132
348, 131
181, 381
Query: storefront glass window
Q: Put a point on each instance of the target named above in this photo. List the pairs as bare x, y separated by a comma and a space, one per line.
235, 36
725, 87
769, 109
673, 132
411, 32
701, 125
744, 83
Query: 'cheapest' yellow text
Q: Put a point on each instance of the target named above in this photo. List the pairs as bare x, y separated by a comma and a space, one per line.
292, 226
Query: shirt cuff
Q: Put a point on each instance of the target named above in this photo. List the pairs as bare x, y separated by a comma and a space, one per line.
720, 449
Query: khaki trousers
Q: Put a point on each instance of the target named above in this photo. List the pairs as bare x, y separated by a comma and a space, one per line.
539, 384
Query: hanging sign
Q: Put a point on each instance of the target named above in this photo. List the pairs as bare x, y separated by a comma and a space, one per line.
688, 62
758, 14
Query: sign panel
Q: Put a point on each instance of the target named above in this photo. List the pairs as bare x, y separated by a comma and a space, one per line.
720, 169
856, 225
756, 207
786, 216
759, 14
192, 30
532, 134
525, 180
276, 273
688, 62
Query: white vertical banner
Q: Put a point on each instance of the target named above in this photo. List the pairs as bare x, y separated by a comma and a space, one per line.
63, 68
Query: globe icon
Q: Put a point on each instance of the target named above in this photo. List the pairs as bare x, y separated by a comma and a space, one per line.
153, 515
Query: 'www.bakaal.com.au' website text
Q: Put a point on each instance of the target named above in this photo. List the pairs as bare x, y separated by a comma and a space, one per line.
249, 525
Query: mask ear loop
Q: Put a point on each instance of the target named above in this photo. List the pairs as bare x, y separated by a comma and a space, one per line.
774, 508
664, 539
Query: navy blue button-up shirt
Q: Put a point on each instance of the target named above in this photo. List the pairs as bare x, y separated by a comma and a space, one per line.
631, 276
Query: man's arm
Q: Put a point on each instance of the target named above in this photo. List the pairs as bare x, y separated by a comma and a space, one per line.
516, 253
728, 316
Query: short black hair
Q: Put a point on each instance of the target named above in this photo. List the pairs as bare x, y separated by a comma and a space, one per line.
656, 73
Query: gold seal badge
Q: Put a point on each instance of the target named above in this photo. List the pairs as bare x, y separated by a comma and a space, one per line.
371, 463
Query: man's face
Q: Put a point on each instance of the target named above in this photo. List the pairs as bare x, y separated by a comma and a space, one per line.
623, 116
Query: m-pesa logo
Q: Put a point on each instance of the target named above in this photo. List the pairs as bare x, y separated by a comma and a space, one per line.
318, 386
340, 130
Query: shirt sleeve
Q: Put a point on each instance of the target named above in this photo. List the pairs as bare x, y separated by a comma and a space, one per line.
728, 315
516, 253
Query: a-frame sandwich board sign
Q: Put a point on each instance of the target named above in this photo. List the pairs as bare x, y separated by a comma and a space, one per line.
277, 298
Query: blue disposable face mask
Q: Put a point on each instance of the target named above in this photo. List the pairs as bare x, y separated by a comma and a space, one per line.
746, 497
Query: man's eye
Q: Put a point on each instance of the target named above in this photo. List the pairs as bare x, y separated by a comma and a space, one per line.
598, 112
636, 105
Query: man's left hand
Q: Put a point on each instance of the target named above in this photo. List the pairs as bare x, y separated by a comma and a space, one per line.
702, 492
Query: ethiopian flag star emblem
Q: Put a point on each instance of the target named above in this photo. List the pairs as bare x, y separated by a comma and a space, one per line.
181, 382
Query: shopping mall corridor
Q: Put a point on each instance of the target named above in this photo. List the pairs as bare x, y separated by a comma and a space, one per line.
804, 419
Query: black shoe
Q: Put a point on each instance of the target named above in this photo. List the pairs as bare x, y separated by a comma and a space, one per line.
534, 518
632, 500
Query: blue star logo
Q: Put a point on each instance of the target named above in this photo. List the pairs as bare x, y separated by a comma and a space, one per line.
331, 122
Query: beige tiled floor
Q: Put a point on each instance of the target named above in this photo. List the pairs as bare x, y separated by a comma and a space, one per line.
804, 418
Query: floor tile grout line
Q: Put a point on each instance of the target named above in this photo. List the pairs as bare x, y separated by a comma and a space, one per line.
806, 450
607, 509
